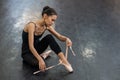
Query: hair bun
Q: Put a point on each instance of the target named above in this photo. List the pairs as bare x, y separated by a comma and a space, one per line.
49, 11
45, 8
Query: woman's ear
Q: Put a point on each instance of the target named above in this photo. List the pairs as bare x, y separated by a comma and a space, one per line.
45, 16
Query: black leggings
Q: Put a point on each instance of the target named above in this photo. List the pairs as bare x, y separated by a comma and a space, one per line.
41, 46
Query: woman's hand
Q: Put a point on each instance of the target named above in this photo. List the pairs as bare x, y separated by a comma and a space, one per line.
68, 42
42, 65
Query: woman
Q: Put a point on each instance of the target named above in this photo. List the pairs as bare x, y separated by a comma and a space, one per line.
33, 48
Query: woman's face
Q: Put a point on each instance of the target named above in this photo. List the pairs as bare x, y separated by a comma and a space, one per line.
50, 20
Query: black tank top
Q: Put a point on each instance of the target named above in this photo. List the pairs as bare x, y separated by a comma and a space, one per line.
25, 36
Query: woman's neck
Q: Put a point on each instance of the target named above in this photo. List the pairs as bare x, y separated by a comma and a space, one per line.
41, 22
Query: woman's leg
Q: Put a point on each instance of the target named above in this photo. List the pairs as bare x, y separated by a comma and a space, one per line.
65, 62
49, 40
30, 59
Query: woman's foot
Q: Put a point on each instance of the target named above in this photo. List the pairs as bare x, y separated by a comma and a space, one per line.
67, 66
46, 54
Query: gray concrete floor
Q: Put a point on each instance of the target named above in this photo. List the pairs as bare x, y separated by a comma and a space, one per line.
92, 25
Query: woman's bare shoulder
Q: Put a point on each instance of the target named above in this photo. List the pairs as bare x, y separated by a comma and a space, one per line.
28, 25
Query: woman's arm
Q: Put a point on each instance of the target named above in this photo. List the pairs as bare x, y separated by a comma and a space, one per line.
59, 36
56, 34
31, 29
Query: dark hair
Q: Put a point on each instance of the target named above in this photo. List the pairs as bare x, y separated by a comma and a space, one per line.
49, 11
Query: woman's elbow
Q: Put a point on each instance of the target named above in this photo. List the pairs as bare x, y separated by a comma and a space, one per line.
31, 47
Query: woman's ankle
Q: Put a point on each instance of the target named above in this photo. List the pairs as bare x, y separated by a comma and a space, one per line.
65, 62
46, 54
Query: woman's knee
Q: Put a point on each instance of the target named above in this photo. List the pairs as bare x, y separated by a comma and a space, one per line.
53, 44
49, 36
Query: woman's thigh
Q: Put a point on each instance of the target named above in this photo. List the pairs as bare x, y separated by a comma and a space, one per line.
30, 59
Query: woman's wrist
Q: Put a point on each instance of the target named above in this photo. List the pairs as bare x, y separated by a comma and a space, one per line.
67, 39
40, 58
68, 42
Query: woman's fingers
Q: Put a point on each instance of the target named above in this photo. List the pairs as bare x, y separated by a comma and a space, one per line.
42, 66
68, 42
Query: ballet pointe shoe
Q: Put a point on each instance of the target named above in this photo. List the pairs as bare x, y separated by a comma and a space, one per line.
67, 66
46, 54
